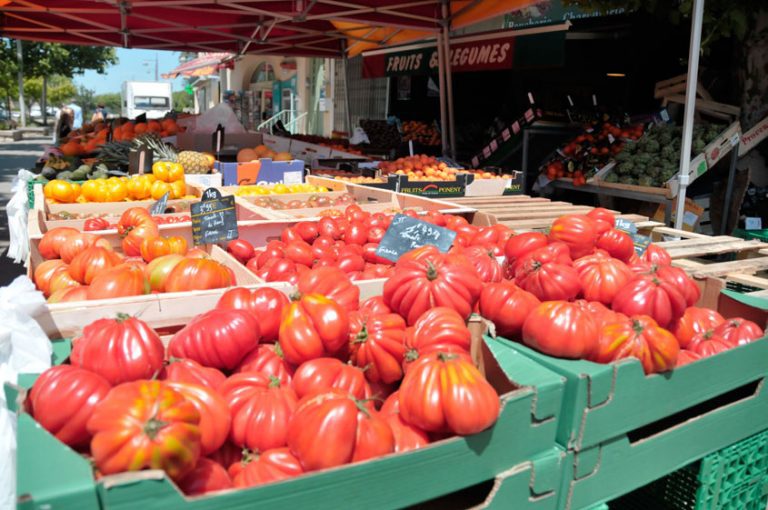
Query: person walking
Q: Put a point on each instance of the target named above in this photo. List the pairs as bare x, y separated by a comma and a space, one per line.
100, 115
63, 124
77, 115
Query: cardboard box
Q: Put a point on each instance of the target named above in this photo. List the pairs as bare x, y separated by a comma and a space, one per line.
276, 143
204, 181
263, 172
203, 142
691, 216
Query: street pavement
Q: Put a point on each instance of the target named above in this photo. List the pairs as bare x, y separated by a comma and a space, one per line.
13, 157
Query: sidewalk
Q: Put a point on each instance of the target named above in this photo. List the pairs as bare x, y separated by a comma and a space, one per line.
13, 156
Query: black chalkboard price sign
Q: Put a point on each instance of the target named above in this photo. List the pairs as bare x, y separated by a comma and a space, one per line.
406, 233
214, 219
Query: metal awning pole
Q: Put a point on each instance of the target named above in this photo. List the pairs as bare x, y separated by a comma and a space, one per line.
441, 85
690, 108
448, 78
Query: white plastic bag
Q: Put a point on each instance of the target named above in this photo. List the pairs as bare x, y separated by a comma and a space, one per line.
359, 136
24, 348
222, 114
17, 211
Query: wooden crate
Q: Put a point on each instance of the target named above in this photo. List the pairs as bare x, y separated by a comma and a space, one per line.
522, 212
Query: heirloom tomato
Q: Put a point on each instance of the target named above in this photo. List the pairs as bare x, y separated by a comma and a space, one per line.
268, 359
119, 281
649, 295
214, 414
638, 337
167, 171
120, 350
656, 255
519, 245
601, 280
709, 343
132, 218
739, 331
485, 263
266, 304
600, 213
91, 261
439, 329
77, 243
556, 252
686, 357
158, 270
681, 281
321, 375
577, 231
199, 274
506, 305
617, 243
332, 283
313, 327
69, 295
208, 476
376, 345
332, 429
145, 424
444, 392
374, 306
407, 437
561, 329
269, 466
418, 286
61, 280
217, 338
695, 320
52, 241
261, 410
45, 271
549, 281
133, 240
190, 371
62, 400
155, 247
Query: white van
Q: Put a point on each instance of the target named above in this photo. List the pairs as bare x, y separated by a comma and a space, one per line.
149, 97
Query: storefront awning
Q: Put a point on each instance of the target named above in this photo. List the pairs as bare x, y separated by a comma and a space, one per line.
204, 64
498, 50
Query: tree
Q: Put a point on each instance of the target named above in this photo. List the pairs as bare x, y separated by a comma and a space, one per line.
182, 100
60, 90
111, 101
85, 99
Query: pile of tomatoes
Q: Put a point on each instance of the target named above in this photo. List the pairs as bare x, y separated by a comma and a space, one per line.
350, 241
582, 292
262, 389
82, 265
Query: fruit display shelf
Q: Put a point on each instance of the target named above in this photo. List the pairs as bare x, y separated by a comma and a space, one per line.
518, 452
625, 429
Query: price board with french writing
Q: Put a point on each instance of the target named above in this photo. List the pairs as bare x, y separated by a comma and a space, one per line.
214, 219
406, 233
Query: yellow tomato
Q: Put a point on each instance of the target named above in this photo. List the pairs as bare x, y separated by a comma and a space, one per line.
139, 187
280, 189
117, 191
178, 189
61, 191
160, 188
93, 190
168, 171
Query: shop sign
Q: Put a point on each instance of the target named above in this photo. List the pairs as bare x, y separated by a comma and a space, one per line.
550, 12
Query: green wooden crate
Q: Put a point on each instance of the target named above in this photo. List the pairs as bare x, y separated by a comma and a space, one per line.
734, 478
532, 397
603, 401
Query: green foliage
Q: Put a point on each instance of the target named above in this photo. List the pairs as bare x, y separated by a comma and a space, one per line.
182, 101
60, 90
85, 99
111, 101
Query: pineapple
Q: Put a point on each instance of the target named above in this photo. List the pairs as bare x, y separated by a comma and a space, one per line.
194, 162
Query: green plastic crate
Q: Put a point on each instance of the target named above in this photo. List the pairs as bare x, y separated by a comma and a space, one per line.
31, 190
734, 478
760, 235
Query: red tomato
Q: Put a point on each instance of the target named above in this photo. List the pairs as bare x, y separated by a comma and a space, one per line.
600, 281
507, 306
440, 329
739, 331
158, 270
241, 249
370, 255
208, 476
290, 235
376, 345
332, 429
493, 235
618, 244
218, 338
681, 281
198, 274
145, 424
299, 252
374, 306
561, 329
261, 410
191, 372
268, 359
709, 343
270, 466
519, 245
273, 250
695, 320
278, 270
45, 271
69, 295
52, 241
417, 286
357, 233
92, 224
313, 327
638, 337
407, 437
307, 230
686, 357
354, 212
91, 261
554, 252
463, 402
577, 231
601, 314
133, 218
602, 214
655, 255
119, 281
266, 304
63, 399
158, 246
329, 227
214, 414
77, 243
376, 234
332, 283
549, 281
132, 241
321, 375
648, 295
484, 262
120, 350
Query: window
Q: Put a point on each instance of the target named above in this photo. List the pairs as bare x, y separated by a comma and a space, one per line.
154, 102
264, 72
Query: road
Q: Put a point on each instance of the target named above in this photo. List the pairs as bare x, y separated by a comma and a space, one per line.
13, 156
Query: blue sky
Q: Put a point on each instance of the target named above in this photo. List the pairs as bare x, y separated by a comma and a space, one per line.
131, 68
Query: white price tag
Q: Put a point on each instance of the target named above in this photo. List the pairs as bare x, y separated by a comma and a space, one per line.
493, 145
753, 223
506, 135
735, 140
486, 152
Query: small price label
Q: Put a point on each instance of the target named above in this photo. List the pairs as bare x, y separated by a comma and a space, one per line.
641, 243
626, 226
493, 145
159, 206
214, 219
406, 233
506, 135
